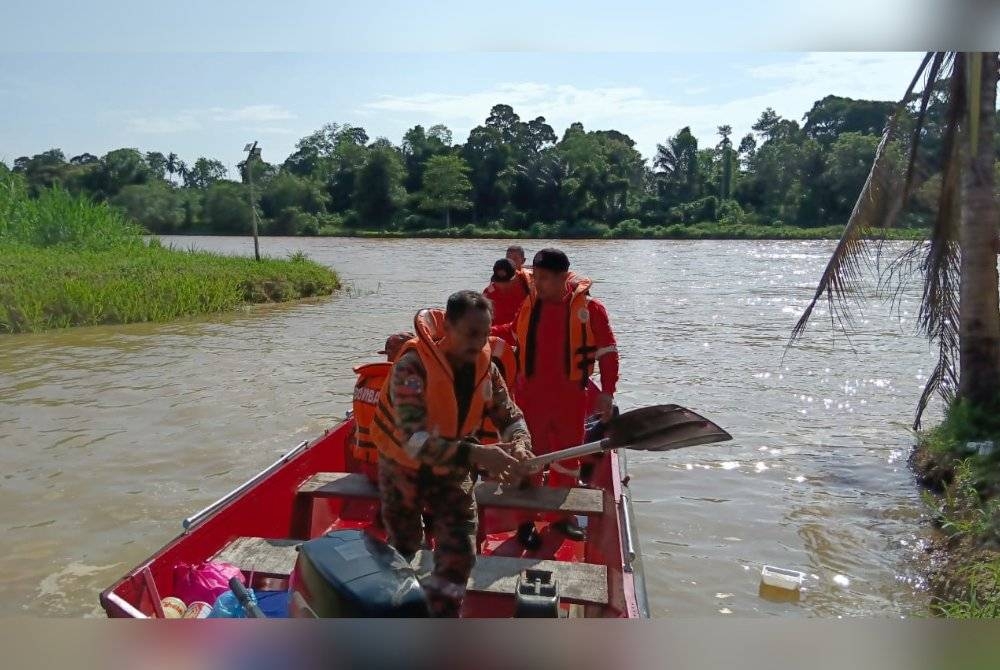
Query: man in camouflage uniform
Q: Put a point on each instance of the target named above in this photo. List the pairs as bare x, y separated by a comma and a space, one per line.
436, 473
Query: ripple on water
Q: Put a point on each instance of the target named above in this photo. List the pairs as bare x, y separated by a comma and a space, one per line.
148, 422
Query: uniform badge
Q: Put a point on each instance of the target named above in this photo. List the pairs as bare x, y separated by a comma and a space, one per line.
583, 315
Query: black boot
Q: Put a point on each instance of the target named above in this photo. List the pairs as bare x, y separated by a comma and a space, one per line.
528, 536
570, 529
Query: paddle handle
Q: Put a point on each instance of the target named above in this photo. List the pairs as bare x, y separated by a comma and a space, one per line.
252, 609
571, 452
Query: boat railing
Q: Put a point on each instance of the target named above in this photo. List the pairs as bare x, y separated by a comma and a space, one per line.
628, 532
195, 518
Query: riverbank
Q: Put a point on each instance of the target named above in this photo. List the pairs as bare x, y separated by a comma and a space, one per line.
962, 495
697, 231
65, 261
57, 288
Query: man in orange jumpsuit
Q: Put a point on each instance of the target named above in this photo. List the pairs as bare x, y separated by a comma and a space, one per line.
560, 333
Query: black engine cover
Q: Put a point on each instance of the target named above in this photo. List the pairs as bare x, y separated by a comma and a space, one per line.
348, 573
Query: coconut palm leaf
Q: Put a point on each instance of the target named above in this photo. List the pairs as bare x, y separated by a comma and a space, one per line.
878, 203
921, 116
939, 306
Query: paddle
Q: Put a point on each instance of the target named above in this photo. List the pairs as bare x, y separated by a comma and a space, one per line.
249, 606
654, 428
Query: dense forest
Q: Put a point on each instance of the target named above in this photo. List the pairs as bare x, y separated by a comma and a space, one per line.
510, 176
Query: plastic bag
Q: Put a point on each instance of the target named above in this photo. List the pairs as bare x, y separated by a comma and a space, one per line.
205, 582
228, 606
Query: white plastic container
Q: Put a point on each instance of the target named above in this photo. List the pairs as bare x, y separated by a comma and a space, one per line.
782, 578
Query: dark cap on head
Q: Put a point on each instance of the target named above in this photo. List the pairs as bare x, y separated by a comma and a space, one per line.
503, 270
395, 342
551, 259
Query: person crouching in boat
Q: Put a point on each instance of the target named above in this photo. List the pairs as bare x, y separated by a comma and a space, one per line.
505, 292
440, 387
371, 378
560, 332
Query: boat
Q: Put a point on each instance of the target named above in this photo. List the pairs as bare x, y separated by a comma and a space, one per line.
311, 492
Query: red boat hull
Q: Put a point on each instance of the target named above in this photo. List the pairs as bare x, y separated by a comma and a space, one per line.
273, 505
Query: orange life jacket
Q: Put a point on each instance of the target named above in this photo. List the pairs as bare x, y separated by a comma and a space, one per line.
439, 394
581, 354
526, 278
371, 378
502, 355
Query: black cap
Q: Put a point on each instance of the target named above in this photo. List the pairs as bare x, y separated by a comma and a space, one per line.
503, 270
551, 259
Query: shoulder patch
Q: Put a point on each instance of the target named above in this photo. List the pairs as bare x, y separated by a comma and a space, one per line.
583, 315
414, 383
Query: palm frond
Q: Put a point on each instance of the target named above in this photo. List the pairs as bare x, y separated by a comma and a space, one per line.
975, 90
921, 115
939, 307
877, 203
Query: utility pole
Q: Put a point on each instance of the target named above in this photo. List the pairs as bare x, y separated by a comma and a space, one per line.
253, 151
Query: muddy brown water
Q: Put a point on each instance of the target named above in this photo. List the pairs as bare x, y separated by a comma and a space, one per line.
110, 436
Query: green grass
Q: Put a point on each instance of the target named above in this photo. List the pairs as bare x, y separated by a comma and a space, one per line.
983, 599
65, 261
967, 510
961, 510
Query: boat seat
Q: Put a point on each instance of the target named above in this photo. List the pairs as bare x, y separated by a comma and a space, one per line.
584, 583
552, 499
258, 554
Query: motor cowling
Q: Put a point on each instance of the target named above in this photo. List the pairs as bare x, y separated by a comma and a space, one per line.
348, 573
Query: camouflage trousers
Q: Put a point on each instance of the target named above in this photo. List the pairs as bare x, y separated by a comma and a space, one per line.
406, 494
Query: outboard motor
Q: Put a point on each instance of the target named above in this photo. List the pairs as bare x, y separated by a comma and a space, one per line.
348, 573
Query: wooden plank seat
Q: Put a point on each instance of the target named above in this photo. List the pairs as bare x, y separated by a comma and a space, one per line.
258, 554
566, 500
578, 582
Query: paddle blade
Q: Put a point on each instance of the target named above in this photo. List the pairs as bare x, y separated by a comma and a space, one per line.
661, 428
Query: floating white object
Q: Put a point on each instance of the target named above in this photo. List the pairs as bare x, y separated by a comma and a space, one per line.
782, 578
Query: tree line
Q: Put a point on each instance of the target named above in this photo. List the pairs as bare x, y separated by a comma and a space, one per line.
510, 174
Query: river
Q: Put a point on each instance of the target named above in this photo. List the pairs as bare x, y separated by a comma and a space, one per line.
109, 436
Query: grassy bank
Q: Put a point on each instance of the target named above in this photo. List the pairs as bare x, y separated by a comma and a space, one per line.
698, 231
961, 469
65, 261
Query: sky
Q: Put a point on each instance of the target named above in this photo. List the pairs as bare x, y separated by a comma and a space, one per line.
204, 78
212, 104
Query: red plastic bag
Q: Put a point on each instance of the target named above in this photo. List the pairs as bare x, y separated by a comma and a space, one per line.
205, 582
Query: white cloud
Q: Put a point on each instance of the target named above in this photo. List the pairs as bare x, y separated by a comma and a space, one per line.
198, 119
259, 113
177, 123
790, 88
271, 130
864, 73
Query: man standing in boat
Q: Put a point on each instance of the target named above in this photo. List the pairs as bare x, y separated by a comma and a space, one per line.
440, 388
371, 379
515, 254
560, 333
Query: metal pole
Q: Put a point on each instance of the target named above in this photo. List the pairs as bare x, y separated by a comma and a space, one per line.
253, 204
253, 207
